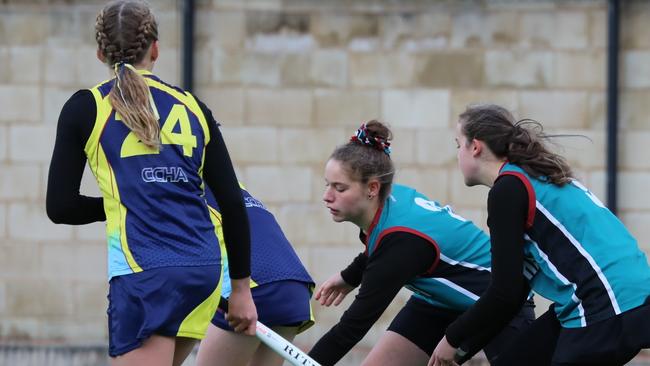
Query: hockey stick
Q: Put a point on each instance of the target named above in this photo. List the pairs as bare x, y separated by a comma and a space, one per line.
277, 343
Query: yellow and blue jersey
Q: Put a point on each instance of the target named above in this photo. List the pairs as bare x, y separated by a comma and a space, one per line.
272, 256
461, 272
578, 254
153, 197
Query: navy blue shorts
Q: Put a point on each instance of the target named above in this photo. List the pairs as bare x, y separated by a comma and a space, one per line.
168, 301
279, 303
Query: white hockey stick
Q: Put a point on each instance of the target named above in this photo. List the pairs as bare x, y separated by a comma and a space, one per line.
277, 343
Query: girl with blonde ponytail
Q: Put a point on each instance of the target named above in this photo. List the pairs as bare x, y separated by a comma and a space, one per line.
153, 148
551, 234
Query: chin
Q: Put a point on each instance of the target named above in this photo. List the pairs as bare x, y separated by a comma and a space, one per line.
470, 182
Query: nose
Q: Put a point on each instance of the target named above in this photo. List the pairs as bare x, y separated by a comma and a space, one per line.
327, 195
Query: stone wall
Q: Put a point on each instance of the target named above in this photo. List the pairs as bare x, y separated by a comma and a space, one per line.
291, 79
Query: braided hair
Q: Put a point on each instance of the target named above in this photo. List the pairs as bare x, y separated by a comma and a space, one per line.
125, 30
367, 156
521, 142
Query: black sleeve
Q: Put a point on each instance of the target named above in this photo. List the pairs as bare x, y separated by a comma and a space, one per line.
63, 203
219, 175
353, 274
507, 209
399, 257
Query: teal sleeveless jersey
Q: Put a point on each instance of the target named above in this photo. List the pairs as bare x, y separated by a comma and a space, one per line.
578, 254
272, 256
461, 273
156, 215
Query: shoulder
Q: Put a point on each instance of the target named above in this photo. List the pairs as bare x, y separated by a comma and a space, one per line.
81, 97
507, 186
404, 240
509, 191
80, 106
206, 110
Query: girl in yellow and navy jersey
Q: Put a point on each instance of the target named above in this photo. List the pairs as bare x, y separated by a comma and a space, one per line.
152, 148
281, 289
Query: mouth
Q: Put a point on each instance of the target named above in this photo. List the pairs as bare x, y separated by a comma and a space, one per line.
333, 211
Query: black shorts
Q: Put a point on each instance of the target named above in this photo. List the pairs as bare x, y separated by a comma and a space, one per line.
610, 342
425, 325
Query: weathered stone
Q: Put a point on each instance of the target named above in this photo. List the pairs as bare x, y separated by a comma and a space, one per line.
345, 108
454, 69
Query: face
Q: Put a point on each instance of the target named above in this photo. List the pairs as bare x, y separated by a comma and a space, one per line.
346, 199
467, 161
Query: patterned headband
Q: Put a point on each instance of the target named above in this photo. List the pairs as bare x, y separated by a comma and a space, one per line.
363, 138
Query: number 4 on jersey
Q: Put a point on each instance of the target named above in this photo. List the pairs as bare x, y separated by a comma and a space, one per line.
177, 116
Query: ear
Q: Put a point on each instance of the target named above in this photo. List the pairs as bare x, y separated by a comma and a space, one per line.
155, 51
373, 188
100, 56
476, 146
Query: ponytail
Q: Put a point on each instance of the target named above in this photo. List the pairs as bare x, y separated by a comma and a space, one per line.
125, 30
131, 99
520, 142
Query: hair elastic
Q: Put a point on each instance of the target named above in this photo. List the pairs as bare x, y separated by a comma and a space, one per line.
363, 138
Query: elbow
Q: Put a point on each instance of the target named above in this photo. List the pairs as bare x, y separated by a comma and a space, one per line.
56, 212
508, 303
55, 215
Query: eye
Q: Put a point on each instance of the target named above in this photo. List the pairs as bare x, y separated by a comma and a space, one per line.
339, 187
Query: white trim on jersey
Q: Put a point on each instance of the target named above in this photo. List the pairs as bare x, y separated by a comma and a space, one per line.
454, 286
564, 280
464, 264
584, 253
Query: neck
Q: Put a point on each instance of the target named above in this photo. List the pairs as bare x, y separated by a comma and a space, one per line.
144, 66
366, 219
491, 172
148, 60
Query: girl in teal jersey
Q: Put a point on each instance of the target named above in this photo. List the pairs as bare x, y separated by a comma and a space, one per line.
152, 148
411, 241
570, 247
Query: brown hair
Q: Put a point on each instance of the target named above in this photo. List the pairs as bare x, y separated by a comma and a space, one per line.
124, 30
521, 142
367, 155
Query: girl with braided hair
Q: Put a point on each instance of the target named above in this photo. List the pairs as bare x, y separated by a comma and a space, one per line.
152, 148
569, 246
410, 241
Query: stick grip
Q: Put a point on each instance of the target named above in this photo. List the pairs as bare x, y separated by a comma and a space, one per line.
277, 343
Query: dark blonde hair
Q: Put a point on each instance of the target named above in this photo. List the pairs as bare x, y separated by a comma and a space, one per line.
124, 30
521, 142
367, 156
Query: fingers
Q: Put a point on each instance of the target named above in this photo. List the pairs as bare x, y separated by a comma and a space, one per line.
242, 316
339, 298
332, 292
244, 325
325, 295
437, 361
332, 298
322, 289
